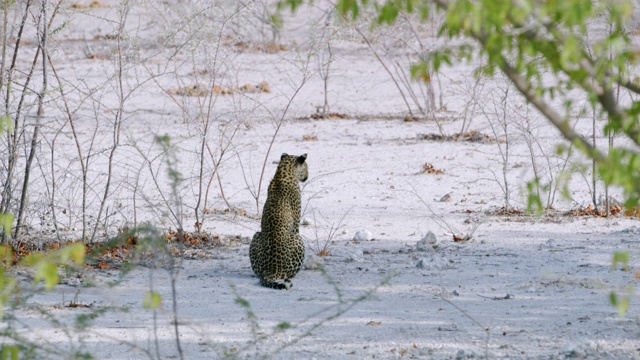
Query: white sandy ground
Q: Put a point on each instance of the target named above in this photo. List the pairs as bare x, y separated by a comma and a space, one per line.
521, 288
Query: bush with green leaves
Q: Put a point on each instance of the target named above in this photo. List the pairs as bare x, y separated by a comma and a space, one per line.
564, 57
552, 53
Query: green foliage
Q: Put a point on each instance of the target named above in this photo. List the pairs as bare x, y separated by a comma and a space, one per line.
242, 302
6, 124
6, 220
171, 159
528, 39
349, 6
622, 258
291, 4
534, 203
276, 20
46, 265
621, 303
151, 300
9, 352
8, 284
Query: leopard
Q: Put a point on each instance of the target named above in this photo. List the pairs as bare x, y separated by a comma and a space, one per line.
277, 250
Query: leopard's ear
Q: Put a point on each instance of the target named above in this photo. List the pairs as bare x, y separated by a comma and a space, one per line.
301, 159
283, 156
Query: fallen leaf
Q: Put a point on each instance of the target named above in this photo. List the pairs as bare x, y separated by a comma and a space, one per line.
324, 252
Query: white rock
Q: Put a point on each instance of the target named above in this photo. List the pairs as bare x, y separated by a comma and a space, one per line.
428, 242
363, 235
430, 238
314, 262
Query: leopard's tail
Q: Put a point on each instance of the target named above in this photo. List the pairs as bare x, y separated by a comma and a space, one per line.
276, 285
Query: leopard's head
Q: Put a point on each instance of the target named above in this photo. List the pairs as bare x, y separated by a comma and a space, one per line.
299, 164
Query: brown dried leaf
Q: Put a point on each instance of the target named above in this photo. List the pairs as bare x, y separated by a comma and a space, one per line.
324, 252
459, 238
428, 168
310, 137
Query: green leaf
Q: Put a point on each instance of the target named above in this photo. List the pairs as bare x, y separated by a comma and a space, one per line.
621, 304
9, 352
533, 200
46, 271
283, 326
6, 255
348, 6
420, 71
77, 252
6, 124
8, 287
388, 13
293, 4
6, 220
46, 265
242, 302
620, 257
276, 21
151, 300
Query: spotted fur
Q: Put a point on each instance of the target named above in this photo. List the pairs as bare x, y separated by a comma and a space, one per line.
277, 250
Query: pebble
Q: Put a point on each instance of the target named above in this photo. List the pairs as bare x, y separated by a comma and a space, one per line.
314, 262
428, 242
306, 221
363, 235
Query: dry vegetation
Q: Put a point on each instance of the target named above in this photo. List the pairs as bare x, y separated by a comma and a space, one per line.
140, 129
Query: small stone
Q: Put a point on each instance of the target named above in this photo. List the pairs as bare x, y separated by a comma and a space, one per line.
428, 242
306, 221
430, 238
446, 198
363, 235
314, 262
